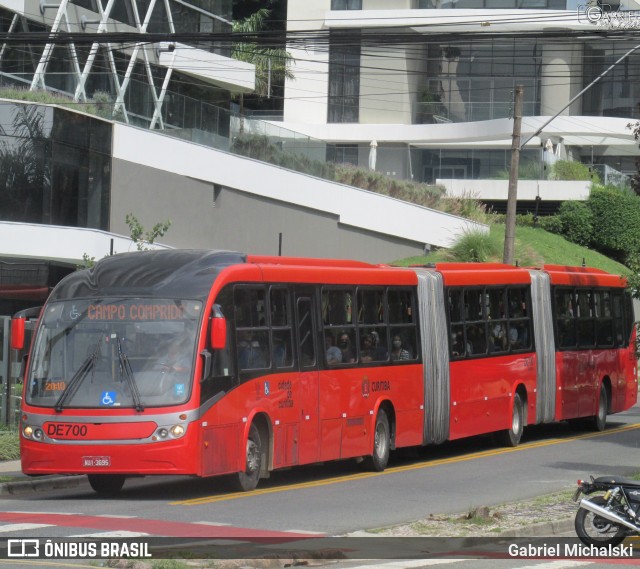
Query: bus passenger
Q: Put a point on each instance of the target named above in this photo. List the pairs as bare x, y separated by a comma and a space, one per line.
250, 354
498, 338
458, 345
379, 348
333, 353
344, 343
398, 352
367, 351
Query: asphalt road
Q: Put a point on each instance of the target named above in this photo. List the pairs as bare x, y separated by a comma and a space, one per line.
338, 498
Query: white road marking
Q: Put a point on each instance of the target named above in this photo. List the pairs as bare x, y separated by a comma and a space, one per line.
22, 527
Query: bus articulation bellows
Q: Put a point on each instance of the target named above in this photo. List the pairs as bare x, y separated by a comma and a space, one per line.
209, 363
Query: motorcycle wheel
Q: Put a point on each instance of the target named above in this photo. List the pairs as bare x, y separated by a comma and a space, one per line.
595, 530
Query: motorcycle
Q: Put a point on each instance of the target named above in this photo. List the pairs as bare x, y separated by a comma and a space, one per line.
610, 516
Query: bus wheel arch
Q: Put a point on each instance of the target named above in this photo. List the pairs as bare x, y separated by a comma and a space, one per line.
256, 454
383, 438
512, 435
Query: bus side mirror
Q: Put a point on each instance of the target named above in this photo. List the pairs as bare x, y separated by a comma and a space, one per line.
17, 333
218, 329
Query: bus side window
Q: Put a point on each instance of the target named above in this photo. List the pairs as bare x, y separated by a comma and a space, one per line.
252, 332
618, 318
604, 319
305, 333
337, 306
585, 321
281, 327
402, 325
564, 305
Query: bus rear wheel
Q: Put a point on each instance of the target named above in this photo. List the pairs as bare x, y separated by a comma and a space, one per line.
106, 484
248, 480
599, 421
511, 436
381, 443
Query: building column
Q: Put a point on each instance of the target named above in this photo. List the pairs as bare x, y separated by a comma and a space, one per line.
561, 78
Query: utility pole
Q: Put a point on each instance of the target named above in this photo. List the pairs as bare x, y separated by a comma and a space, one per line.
512, 196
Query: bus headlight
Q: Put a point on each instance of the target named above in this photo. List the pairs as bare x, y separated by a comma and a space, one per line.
173, 432
34, 433
177, 431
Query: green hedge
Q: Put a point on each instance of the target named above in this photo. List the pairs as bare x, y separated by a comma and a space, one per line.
576, 222
616, 221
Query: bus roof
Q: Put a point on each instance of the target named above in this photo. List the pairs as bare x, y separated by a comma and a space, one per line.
308, 262
582, 276
168, 273
190, 273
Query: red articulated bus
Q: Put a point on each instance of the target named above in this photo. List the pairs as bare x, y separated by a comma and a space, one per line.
209, 362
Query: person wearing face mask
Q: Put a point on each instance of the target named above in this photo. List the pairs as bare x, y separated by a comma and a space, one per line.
397, 351
344, 343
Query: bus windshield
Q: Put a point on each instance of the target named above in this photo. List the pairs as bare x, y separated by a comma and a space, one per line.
114, 352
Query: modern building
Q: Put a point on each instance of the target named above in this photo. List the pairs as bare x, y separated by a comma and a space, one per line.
179, 86
432, 82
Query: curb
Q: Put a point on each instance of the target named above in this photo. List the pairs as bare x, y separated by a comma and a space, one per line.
542, 529
41, 485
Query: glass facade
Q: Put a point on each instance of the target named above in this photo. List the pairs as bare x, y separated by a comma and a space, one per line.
346, 4
618, 92
477, 164
139, 81
55, 167
497, 4
476, 81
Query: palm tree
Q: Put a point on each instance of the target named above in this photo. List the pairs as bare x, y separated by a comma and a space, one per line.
271, 63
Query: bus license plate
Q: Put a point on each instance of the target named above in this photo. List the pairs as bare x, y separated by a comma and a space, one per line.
96, 461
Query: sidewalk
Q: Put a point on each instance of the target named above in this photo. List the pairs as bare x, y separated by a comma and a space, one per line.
20, 482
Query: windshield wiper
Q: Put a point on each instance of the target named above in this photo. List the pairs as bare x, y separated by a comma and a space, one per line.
78, 377
128, 373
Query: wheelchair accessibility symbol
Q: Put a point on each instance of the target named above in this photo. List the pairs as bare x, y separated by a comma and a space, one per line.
108, 398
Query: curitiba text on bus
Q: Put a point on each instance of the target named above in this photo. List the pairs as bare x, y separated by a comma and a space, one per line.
134, 312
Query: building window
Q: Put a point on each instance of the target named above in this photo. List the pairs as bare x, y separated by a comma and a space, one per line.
344, 78
342, 153
346, 4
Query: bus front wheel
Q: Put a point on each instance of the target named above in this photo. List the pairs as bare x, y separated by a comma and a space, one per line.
106, 484
381, 443
248, 480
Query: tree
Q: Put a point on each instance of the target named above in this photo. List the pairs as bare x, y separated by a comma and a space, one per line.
635, 179
272, 63
142, 237
139, 235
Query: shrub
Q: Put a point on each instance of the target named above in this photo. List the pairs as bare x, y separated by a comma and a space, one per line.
619, 238
551, 223
259, 147
576, 220
569, 170
526, 171
473, 247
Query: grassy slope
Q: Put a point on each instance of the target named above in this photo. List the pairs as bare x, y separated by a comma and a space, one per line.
9, 445
535, 247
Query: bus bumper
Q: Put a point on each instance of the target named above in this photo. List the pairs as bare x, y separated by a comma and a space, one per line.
168, 457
